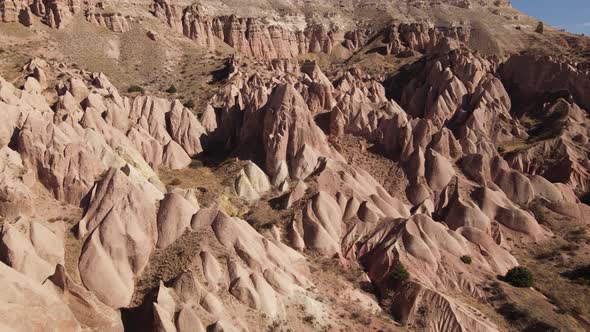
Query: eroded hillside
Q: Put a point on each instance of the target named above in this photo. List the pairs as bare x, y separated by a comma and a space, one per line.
291, 166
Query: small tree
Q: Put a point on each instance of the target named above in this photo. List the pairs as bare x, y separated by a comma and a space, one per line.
466, 259
189, 104
398, 274
171, 89
519, 276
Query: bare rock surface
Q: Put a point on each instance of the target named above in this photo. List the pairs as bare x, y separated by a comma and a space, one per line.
121, 228
26, 305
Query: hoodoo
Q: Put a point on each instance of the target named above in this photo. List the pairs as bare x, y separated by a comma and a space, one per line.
386, 165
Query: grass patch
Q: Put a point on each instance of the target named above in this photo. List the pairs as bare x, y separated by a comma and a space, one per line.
578, 235
517, 144
548, 254
263, 216
537, 325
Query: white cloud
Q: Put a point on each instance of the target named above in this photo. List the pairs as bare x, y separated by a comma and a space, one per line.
585, 24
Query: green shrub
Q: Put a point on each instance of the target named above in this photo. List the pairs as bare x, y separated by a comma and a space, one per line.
519, 276
466, 259
189, 104
539, 215
581, 274
399, 274
513, 313
135, 88
171, 89
584, 197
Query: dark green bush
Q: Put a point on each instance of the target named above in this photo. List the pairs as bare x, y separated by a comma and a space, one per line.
189, 104
581, 274
399, 274
513, 313
519, 277
584, 197
466, 259
171, 89
135, 88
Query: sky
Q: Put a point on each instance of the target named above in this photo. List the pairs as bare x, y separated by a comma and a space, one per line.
572, 15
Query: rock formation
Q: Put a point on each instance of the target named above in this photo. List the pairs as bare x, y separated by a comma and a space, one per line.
114, 22
325, 165
406, 39
250, 36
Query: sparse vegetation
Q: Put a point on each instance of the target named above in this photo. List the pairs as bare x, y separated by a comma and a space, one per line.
536, 326
135, 89
522, 317
175, 182
548, 254
498, 294
309, 319
171, 89
263, 216
519, 276
539, 214
578, 235
466, 259
359, 317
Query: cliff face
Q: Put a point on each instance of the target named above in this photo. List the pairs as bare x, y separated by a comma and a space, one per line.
55, 13
8, 11
409, 38
249, 36
112, 21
